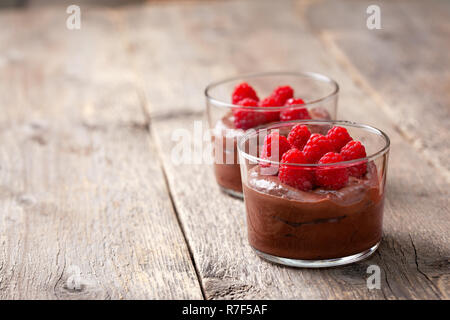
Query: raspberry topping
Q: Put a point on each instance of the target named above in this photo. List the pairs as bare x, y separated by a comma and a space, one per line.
282, 95
298, 136
297, 177
355, 150
242, 91
331, 177
316, 147
294, 102
274, 147
338, 137
277, 99
271, 116
268, 102
297, 113
246, 119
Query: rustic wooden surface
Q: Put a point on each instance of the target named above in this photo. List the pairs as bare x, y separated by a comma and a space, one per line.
86, 177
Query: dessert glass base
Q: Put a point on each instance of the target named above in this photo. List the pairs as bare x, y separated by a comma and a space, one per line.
233, 193
326, 263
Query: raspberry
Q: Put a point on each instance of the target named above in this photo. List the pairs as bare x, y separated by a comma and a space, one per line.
248, 102
294, 114
297, 177
269, 102
297, 113
355, 150
274, 147
331, 177
338, 137
242, 91
298, 136
316, 147
276, 99
246, 119
282, 95
271, 116
294, 102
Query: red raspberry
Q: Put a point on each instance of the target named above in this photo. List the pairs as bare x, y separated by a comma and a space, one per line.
289, 114
276, 99
297, 177
294, 102
331, 177
298, 136
338, 137
274, 147
355, 150
316, 147
246, 119
269, 102
282, 95
271, 116
242, 91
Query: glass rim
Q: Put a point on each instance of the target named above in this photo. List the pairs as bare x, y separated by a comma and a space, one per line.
305, 74
276, 125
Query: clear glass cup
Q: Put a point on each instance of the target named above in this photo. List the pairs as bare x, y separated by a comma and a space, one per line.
319, 93
319, 227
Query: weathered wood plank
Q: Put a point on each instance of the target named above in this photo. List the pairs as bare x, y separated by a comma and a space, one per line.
223, 38
162, 50
404, 66
81, 187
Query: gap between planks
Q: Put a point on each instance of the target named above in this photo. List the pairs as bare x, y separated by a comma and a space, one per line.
117, 16
169, 191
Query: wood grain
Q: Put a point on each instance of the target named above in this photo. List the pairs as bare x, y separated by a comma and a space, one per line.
404, 66
81, 187
414, 255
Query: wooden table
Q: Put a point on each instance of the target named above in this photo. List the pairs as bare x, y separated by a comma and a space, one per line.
87, 185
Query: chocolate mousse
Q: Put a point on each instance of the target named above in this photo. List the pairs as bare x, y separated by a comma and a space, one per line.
318, 224
226, 166
249, 111
224, 140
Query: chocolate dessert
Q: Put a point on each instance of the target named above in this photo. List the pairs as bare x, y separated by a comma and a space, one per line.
284, 221
313, 197
248, 111
226, 166
224, 140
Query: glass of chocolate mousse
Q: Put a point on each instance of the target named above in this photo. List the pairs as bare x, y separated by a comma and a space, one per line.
237, 104
314, 191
